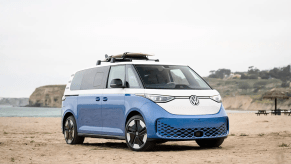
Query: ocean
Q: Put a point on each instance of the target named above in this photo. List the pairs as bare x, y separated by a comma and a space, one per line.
8, 111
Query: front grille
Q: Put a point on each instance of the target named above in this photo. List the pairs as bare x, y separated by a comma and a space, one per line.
166, 131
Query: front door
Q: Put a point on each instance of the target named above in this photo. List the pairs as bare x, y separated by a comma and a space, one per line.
113, 108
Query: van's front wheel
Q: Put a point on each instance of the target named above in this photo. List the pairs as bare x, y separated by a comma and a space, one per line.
208, 143
136, 134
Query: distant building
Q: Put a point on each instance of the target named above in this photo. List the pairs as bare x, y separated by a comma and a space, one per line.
237, 76
232, 76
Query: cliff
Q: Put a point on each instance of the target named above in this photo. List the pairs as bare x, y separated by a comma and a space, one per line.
47, 96
14, 101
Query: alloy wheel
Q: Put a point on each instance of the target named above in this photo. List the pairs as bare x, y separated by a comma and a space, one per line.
69, 131
136, 133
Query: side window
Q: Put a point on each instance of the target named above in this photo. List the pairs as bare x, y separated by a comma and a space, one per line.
131, 79
77, 81
88, 78
116, 72
98, 79
93, 78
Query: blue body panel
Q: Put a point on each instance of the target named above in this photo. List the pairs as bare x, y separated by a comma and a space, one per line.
118, 106
89, 111
113, 112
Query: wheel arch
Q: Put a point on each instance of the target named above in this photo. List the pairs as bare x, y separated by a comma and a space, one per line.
131, 114
68, 114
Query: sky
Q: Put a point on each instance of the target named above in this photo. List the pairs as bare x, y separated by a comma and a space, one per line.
44, 42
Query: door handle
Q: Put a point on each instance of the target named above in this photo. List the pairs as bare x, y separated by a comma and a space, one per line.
104, 98
97, 98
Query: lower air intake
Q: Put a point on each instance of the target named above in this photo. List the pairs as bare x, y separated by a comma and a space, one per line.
171, 132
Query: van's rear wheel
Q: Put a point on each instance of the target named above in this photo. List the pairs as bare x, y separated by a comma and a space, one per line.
136, 134
208, 143
70, 132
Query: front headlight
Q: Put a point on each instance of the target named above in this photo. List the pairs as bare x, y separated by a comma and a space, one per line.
216, 98
157, 98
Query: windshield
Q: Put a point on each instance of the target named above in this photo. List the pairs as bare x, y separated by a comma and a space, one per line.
170, 77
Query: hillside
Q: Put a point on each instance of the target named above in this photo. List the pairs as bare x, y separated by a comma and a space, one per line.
246, 94
14, 101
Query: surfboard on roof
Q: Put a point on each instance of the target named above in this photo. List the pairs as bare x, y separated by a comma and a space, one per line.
131, 54
127, 56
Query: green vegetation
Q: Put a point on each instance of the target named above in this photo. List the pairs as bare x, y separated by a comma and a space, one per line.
12, 159
284, 145
283, 74
221, 73
261, 134
243, 134
5, 133
252, 87
244, 85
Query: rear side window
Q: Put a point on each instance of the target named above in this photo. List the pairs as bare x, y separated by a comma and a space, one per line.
90, 79
98, 79
77, 81
93, 78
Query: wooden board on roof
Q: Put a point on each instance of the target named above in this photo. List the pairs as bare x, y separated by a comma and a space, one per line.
131, 54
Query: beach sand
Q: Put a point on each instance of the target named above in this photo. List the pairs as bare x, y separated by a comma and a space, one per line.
252, 139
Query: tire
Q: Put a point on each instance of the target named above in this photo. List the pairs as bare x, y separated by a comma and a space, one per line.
136, 134
70, 132
209, 143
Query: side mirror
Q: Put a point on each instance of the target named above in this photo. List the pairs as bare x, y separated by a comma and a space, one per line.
116, 83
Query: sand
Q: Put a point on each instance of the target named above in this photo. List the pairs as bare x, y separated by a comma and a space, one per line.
252, 139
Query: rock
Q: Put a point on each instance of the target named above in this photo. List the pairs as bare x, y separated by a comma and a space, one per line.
47, 96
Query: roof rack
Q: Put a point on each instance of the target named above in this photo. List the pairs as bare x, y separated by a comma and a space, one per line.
126, 57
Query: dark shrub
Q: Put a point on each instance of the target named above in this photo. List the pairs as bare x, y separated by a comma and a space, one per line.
259, 85
244, 85
253, 76
243, 76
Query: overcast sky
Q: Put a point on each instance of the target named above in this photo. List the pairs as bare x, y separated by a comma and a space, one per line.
44, 42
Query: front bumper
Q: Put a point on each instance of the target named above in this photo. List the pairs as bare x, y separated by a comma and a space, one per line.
166, 126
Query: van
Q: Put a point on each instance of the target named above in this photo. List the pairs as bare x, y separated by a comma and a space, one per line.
143, 102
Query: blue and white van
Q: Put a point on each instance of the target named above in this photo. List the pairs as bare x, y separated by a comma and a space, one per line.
144, 102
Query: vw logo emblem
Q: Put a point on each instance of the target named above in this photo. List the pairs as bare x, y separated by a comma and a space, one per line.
194, 100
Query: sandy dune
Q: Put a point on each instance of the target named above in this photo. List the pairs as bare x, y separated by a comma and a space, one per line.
253, 139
